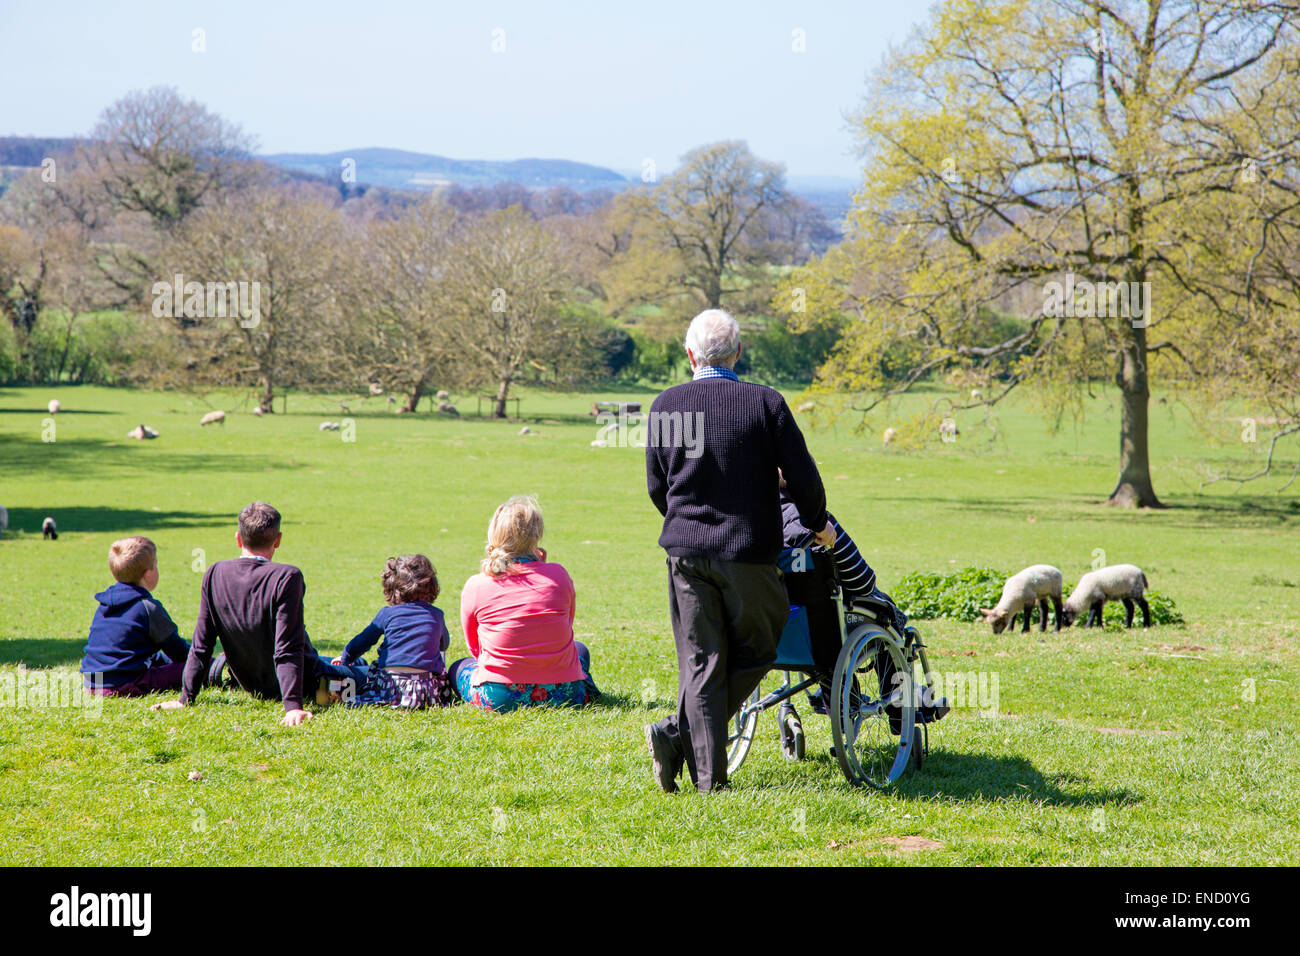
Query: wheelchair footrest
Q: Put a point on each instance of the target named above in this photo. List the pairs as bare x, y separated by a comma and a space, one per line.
932, 713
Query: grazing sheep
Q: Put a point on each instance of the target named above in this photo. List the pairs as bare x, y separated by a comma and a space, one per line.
443, 395
976, 395
448, 409
142, 432
213, 418
806, 407
376, 388
599, 443
258, 411
948, 430
49, 530
330, 426
525, 430
4, 518
54, 406
1034, 585
1117, 582
889, 436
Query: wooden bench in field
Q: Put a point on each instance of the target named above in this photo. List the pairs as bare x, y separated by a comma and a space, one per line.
616, 408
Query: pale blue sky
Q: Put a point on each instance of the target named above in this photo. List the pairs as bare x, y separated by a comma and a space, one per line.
607, 82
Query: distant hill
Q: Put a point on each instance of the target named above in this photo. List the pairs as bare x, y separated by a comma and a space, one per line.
399, 169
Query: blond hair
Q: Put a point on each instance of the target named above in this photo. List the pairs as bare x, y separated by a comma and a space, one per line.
514, 531
130, 559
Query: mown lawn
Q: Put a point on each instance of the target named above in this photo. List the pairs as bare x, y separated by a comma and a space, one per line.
1175, 745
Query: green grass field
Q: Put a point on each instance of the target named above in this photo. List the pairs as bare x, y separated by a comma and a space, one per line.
1175, 745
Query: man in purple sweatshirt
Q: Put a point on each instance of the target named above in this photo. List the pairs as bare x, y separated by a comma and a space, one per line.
253, 606
713, 449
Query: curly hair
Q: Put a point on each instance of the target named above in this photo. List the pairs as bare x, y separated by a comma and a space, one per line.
410, 577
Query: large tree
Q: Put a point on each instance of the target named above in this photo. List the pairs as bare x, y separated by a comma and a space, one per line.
507, 281
398, 327
289, 252
1016, 143
705, 231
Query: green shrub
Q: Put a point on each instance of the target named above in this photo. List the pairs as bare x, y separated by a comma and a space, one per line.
960, 596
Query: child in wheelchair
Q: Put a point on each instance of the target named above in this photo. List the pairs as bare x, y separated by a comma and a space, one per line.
861, 596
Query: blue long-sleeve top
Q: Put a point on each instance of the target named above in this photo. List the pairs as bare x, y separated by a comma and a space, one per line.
128, 629
414, 633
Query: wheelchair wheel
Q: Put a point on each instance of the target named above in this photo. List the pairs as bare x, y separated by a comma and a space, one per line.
792, 736
872, 690
741, 735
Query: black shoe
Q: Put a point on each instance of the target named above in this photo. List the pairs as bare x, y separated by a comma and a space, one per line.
667, 762
215, 669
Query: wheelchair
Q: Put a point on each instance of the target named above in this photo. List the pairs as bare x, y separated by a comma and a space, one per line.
881, 695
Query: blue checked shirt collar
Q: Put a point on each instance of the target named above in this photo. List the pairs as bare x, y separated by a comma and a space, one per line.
715, 371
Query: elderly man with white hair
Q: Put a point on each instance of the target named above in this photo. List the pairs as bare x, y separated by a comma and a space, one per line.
722, 531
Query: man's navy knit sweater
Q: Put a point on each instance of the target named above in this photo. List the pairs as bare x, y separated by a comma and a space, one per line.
712, 450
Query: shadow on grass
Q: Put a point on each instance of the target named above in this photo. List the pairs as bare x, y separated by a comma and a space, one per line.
988, 777
43, 652
80, 457
1237, 512
63, 412
86, 518
608, 701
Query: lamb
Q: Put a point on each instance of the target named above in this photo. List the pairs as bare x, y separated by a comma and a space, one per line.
1034, 585
443, 395
1117, 582
948, 430
213, 418
54, 406
448, 409
330, 426
49, 530
889, 436
258, 411
376, 389
142, 432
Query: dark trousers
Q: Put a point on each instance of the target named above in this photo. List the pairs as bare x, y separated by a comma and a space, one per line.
727, 619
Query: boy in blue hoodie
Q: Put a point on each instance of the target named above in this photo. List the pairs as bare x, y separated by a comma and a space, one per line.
134, 648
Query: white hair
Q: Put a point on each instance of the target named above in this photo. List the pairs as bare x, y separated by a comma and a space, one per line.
713, 338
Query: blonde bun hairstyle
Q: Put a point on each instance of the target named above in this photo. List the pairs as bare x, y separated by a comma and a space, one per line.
514, 531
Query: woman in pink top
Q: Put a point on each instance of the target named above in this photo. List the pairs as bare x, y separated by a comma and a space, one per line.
518, 621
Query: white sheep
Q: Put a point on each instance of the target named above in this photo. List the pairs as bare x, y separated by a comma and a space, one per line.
1034, 585
258, 411
329, 426
1117, 582
213, 418
49, 530
443, 395
948, 430
142, 432
376, 388
525, 430
54, 406
888, 437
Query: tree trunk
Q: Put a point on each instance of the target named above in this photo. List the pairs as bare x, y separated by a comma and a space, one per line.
503, 390
268, 394
413, 399
1134, 490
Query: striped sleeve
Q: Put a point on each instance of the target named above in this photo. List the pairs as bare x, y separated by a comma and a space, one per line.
856, 576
